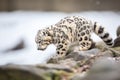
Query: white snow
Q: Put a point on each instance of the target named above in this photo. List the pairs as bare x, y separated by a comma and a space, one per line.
18, 25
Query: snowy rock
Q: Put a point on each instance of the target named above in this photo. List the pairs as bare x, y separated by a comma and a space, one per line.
104, 69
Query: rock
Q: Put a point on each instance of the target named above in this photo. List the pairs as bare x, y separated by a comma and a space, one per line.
101, 45
114, 52
18, 46
118, 31
94, 64
81, 55
15, 72
39, 72
104, 68
68, 62
75, 45
55, 67
117, 42
117, 59
77, 55
106, 53
79, 76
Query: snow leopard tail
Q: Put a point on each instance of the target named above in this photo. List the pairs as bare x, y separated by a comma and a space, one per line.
105, 36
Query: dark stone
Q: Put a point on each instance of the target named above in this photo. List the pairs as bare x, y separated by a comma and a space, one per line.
82, 55
18, 46
117, 42
76, 56
118, 31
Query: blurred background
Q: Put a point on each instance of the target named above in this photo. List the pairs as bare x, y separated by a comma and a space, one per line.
60, 5
20, 20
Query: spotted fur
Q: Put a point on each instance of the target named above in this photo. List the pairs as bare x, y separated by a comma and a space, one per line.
68, 30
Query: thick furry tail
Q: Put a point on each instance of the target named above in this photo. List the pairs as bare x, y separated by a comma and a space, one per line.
105, 36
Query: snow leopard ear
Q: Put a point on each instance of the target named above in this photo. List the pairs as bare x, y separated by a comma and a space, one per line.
49, 32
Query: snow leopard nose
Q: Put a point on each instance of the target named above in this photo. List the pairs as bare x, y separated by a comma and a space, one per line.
40, 48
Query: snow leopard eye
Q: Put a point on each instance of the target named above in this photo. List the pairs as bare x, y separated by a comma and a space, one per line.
39, 42
43, 33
